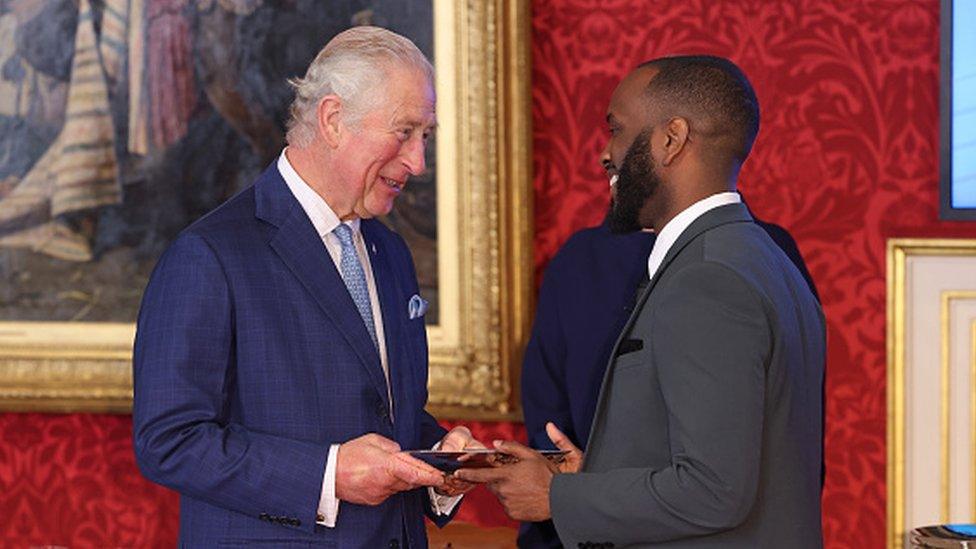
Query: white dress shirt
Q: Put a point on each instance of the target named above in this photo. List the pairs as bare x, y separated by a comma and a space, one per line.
325, 220
673, 229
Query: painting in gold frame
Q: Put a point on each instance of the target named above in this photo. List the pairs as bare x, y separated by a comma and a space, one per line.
483, 246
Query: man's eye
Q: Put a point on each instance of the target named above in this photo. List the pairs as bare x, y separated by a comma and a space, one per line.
403, 134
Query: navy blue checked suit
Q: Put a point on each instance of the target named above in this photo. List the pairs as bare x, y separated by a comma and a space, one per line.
586, 297
251, 359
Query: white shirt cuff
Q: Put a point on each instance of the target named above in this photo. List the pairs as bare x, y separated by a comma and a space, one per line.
328, 502
443, 505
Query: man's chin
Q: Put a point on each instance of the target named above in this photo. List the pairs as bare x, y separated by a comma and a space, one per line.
371, 211
620, 224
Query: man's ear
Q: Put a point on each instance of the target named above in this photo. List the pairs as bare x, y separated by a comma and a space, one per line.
328, 117
675, 139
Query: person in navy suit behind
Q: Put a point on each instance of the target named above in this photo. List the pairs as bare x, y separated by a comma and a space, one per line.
280, 364
586, 296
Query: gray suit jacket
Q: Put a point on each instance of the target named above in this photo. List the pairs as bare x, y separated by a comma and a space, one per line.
707, 432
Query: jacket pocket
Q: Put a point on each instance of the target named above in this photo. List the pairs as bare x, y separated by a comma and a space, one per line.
631, 360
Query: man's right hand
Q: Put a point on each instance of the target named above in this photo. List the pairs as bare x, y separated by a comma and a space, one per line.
371, 468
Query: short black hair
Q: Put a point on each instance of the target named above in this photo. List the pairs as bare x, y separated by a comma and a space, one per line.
713, 93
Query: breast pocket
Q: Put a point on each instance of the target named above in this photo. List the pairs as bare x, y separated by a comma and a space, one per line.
631, 360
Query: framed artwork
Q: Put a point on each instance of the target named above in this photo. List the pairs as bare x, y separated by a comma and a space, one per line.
125, 120
931, 381
958, 103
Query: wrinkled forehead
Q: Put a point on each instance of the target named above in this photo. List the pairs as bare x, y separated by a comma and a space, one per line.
409, 97
408, 82
627, 102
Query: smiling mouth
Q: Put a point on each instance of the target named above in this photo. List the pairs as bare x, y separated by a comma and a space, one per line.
395, 185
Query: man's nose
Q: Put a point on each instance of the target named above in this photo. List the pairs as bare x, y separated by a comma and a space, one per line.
605, 158
414, 157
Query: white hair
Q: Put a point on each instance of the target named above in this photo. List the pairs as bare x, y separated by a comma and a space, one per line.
352, 66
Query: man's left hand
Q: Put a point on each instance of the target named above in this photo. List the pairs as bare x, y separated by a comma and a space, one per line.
457, 440
522, 487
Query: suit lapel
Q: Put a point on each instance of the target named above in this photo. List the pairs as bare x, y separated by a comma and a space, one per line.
300, 248
386, 290
730, 213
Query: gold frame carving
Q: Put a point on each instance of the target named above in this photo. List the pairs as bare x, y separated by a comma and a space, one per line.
898, 251
945, 327
485, 244
972, 410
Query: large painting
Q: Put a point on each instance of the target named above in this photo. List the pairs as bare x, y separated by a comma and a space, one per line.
123, 121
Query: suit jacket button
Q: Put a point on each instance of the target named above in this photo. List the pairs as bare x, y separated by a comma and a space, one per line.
296, 522
394, 544
382, 411
264, 516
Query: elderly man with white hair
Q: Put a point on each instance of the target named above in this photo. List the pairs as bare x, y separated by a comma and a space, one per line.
281, 359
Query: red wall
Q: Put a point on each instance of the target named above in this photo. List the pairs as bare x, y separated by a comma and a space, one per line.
71, 480
847, 157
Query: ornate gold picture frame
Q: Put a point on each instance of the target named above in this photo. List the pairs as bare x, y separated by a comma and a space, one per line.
484, 245
924, 278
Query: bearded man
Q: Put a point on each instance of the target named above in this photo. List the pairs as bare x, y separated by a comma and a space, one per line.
707, 431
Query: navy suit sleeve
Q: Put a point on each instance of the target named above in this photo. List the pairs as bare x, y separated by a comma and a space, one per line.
544, 394
430, 431
183, 365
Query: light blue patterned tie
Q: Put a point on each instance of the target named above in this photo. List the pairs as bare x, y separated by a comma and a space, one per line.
355, 279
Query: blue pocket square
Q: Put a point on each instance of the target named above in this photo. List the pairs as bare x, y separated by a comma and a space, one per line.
417, 306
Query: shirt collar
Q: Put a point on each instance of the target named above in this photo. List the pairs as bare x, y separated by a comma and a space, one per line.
673, 229
322, 216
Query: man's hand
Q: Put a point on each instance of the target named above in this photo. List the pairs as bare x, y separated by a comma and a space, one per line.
522, 487
458, 439
371, 468
574, 459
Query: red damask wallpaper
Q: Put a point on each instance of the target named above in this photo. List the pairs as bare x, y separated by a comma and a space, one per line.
72, 481
847, 157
